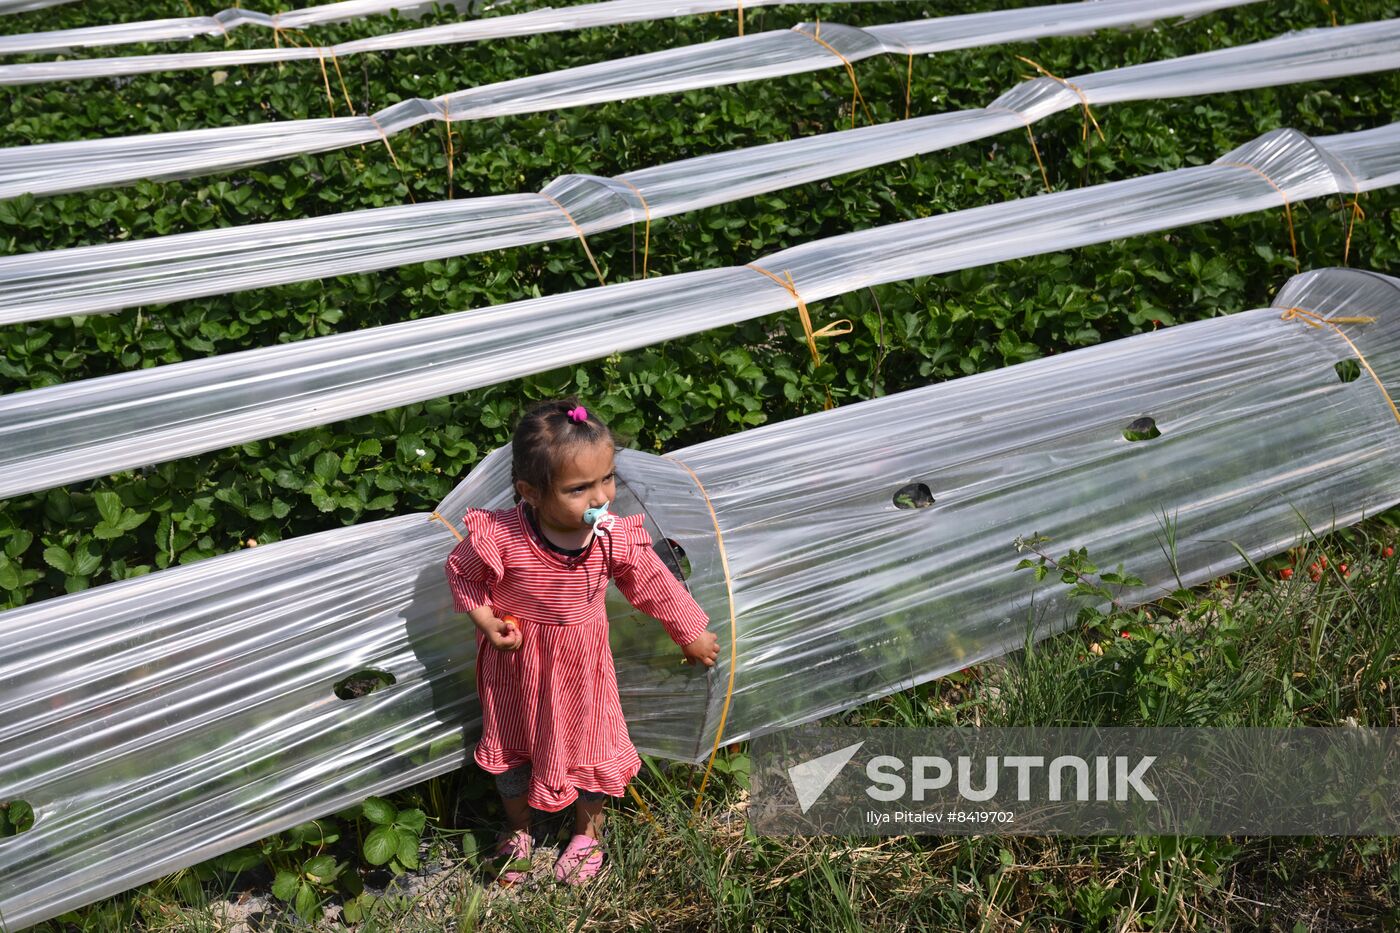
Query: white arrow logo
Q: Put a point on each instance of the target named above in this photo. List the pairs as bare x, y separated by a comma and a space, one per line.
813, 777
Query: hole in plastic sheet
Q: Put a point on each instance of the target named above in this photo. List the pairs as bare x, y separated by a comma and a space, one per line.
1348, 370
1143, 429
673, 556
913, 496
362, 683
16, 816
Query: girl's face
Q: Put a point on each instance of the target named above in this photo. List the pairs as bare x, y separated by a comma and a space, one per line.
583, 479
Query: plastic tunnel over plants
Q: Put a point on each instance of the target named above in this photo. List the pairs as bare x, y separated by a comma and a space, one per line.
155, 722
73, 166
24, 6
533, 22
89, 428
188, 27
90, 279
219, 24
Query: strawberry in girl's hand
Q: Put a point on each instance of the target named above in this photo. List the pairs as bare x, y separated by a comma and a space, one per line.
504, 633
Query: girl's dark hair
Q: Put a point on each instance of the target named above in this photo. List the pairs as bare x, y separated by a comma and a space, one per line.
543, 436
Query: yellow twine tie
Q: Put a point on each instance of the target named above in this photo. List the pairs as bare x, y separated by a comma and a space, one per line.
1287, 208
1030, 135
326, 79
397, 167
1083, 99
856, 95
646, 235
451, 152
1313, 319
1356, 214
320, 55
450, 527
1356, 211
581, 238
733, 636
908, 85
834, 329
343, 89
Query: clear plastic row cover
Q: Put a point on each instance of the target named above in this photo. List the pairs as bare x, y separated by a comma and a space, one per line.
188, 27
24, 6
607, 13
93, 427
220, 24
533, 22
72, 166
158, 721
91, 279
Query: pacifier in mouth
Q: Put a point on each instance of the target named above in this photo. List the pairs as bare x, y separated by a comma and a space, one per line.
599, 517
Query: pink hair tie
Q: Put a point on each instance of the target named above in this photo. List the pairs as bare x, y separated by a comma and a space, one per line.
579, 414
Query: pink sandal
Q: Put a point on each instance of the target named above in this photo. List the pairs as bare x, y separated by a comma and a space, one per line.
580, 861
515, 847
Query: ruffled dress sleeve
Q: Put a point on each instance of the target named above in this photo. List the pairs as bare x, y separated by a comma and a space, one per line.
650, 586
475, 563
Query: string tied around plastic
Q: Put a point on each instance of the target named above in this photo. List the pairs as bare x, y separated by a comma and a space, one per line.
733, 638
834, 329
395, 159
581, 238
1287, 207
1355, 211
1313, 319
1030, 134
646, 233
856, 95
447, 145
1083, 98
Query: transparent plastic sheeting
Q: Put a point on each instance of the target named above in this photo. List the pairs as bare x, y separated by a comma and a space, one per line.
188, 27
73, 166
92, 279
93, 427
533, 22
156, 722
611, 12
24, 6
220, 24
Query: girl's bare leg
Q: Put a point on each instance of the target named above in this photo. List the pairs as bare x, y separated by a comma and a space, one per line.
517, 812
588, 817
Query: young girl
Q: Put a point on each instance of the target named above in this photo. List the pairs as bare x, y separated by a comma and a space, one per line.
533, 578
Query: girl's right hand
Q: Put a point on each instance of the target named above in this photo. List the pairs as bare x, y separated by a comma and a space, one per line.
504, 634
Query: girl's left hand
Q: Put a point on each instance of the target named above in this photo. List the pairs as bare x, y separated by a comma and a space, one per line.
704, 649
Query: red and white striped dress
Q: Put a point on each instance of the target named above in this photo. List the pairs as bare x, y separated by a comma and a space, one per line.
554, 701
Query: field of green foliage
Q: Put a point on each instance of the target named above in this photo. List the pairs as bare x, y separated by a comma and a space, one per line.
1225, 656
